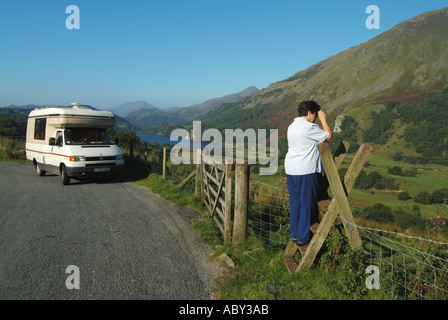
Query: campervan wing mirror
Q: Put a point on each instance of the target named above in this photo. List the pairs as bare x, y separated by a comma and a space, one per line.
52, 141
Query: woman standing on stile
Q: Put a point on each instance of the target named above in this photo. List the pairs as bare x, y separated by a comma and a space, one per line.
303, 167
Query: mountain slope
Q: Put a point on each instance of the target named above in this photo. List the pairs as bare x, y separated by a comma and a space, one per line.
408, 59
148, 118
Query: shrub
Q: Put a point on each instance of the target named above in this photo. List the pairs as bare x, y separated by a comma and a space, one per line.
423, 197
379, 213
354, 267
439, 196
395, 171
406, 220
404, 196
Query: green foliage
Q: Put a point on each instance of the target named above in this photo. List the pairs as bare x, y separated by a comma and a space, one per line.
353, 267
349, 128
335, 247
378, 212
232, 115
339, 258
398, 156
423, 197
375, 180
425, 130
438, 196
404, 196
382, 125
12, 126
405, 220
398, 171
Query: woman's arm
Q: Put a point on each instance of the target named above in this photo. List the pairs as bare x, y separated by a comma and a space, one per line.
325, 126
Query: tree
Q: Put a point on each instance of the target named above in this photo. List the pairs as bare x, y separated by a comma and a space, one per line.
423, 197
403, 196
379, 212
440, 196
398, 156
397, 171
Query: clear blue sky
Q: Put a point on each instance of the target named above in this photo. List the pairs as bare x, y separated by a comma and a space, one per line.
174, 52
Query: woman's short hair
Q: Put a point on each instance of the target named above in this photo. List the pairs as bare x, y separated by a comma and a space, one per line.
308, 105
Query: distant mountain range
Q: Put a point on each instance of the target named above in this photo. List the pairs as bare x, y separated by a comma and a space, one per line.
138, 115
27, 106
126, 108
150, 117
400, 64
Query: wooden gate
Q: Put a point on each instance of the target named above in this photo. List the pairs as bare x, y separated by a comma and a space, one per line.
216, 194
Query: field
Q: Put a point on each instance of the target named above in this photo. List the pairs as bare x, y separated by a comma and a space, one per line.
429, 178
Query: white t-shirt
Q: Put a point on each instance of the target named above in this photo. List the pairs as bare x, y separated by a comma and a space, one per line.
303, 155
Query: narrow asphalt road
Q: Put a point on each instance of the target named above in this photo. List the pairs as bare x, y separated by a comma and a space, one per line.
126, 241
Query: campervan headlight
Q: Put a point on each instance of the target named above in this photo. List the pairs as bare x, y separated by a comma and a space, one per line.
119, 157
77, 158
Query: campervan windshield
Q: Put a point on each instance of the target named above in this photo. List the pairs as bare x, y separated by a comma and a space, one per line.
87, 136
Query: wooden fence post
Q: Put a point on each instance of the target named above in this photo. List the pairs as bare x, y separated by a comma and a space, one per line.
164, 164
241, 202
131, 151
198, 181
228, 205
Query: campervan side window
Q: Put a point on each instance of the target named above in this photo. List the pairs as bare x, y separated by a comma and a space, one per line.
39, 129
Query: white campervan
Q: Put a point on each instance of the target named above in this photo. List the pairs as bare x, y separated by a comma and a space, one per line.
72, 142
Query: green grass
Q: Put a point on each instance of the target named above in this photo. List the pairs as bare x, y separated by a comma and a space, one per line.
12, 149
259, 268
171, 192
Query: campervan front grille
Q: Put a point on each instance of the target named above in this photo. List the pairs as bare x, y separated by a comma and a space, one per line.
101, 165
99, 158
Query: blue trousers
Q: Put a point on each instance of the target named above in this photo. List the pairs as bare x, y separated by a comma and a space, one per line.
303, 194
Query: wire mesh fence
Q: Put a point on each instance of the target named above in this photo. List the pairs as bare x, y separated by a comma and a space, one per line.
153, 157
269, 213
409, 267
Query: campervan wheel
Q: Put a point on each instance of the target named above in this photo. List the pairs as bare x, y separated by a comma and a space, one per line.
65, 176
38, 170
